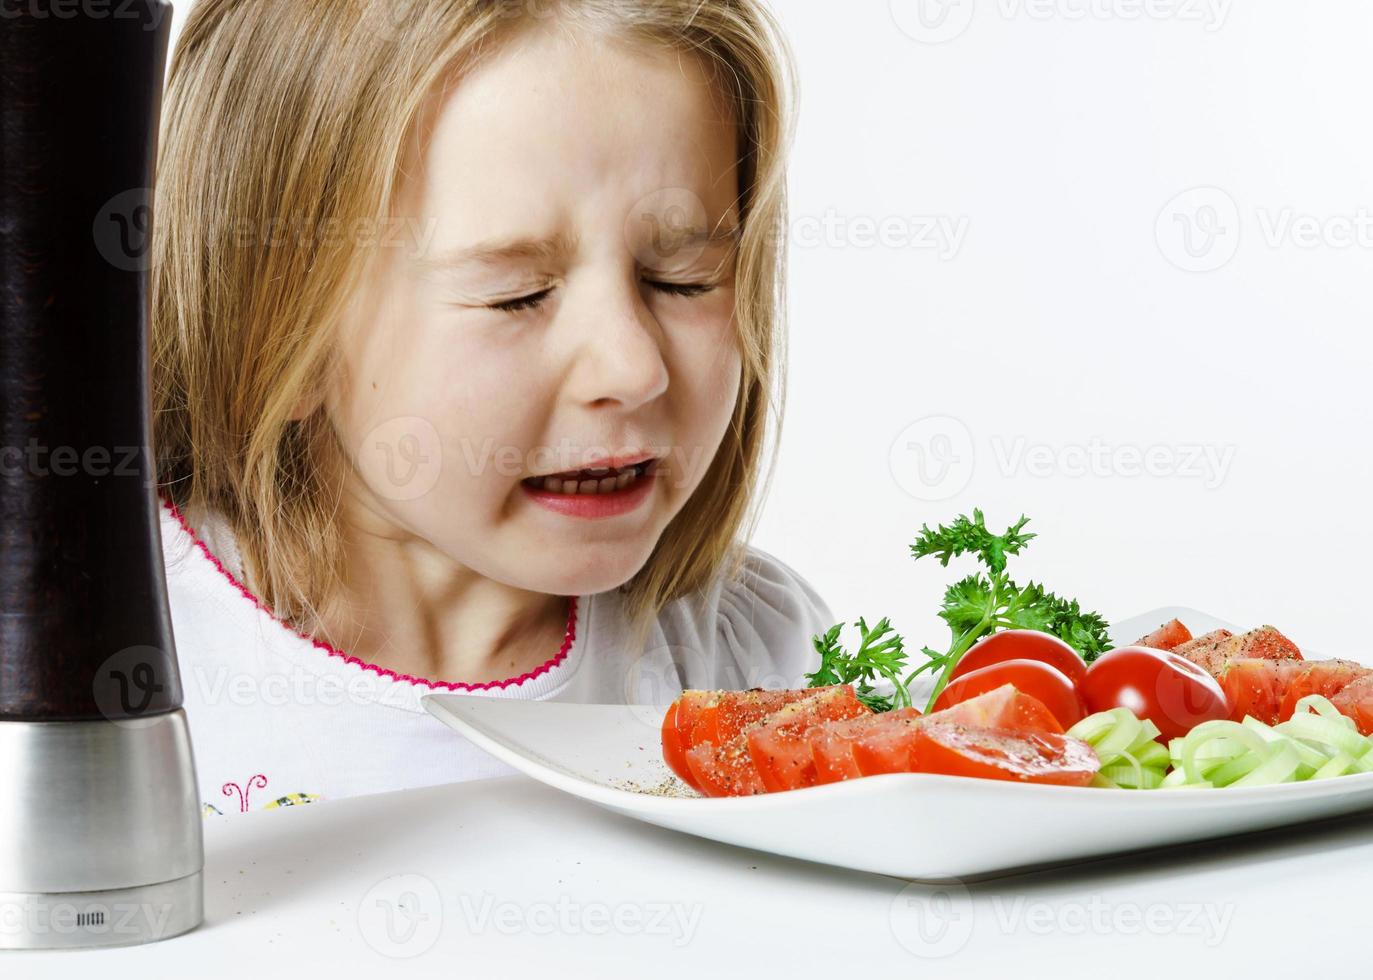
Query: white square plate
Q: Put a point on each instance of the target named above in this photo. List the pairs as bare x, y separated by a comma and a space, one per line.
910, 825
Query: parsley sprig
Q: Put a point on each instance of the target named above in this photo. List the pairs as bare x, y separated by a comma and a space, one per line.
975, 606
881, 654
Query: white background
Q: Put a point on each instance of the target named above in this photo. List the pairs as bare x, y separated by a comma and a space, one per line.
1070, 315
1061, 132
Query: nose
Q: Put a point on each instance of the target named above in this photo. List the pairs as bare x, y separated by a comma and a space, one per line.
619, 360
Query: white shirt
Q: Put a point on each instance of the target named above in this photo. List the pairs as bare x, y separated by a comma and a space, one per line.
278, 718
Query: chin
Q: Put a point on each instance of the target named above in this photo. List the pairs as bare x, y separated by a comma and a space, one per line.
586, 570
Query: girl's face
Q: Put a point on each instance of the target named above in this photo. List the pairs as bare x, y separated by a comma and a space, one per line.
534, 383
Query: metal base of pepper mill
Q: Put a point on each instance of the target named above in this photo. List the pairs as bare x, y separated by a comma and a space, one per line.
100, 833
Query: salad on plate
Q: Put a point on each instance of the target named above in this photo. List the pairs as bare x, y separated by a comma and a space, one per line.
1030, 690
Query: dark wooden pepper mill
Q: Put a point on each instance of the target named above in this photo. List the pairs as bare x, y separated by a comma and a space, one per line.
102, 842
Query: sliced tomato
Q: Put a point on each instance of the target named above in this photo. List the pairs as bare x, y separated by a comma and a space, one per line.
715, 716
1170, 635
779, 745
678, 723
735, 711
887, 747
1046, 684
1022, 645
1255, 687
674, 752
831, 746
1325, 677
1214, 650
724, 770
1268, 643
1004, 707
1355, 701
989, 753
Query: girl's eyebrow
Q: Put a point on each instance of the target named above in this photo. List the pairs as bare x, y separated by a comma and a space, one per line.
495, 251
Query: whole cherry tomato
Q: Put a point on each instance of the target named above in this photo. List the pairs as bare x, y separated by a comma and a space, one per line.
1022, 645
1168, 689
1033, 677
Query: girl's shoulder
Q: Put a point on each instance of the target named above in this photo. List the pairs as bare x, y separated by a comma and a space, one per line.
752, 628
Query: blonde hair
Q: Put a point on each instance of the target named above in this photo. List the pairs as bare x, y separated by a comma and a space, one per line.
292, 116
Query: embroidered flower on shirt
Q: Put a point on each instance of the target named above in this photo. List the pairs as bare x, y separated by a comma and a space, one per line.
244, 794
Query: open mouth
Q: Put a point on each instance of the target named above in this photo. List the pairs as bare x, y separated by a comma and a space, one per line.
600, 480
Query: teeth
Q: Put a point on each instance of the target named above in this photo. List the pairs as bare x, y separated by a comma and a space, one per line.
600, 481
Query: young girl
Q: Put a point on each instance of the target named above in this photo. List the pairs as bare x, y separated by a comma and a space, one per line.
466, 346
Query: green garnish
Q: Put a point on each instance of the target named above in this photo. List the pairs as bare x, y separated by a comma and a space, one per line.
973, 607
881, 653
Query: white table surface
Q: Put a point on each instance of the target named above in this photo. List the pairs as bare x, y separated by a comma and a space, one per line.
511, 878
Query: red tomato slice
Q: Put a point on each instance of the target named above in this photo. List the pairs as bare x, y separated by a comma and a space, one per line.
735, 711
725, 770
681, 717
674, 752
715, 716
1168, 689
1356, 701
1003, 708
1268, 643
1324, 677
1022, 645
831, 746
1255, 687
779, 746
1168, 636
887, 747
1040, 681
989, 753
1270, 689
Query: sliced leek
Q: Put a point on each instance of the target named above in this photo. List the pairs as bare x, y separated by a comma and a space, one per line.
1317, 742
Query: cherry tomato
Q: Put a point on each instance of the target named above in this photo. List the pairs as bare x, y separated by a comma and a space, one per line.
1033, 677
1169, 690
1022, 645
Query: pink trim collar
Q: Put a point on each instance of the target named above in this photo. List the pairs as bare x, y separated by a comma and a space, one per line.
568, 637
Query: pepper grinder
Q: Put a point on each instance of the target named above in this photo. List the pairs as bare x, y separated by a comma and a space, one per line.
100, 825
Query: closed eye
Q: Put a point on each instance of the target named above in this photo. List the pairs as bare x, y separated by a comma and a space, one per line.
534, 300
682, 288
522, 303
